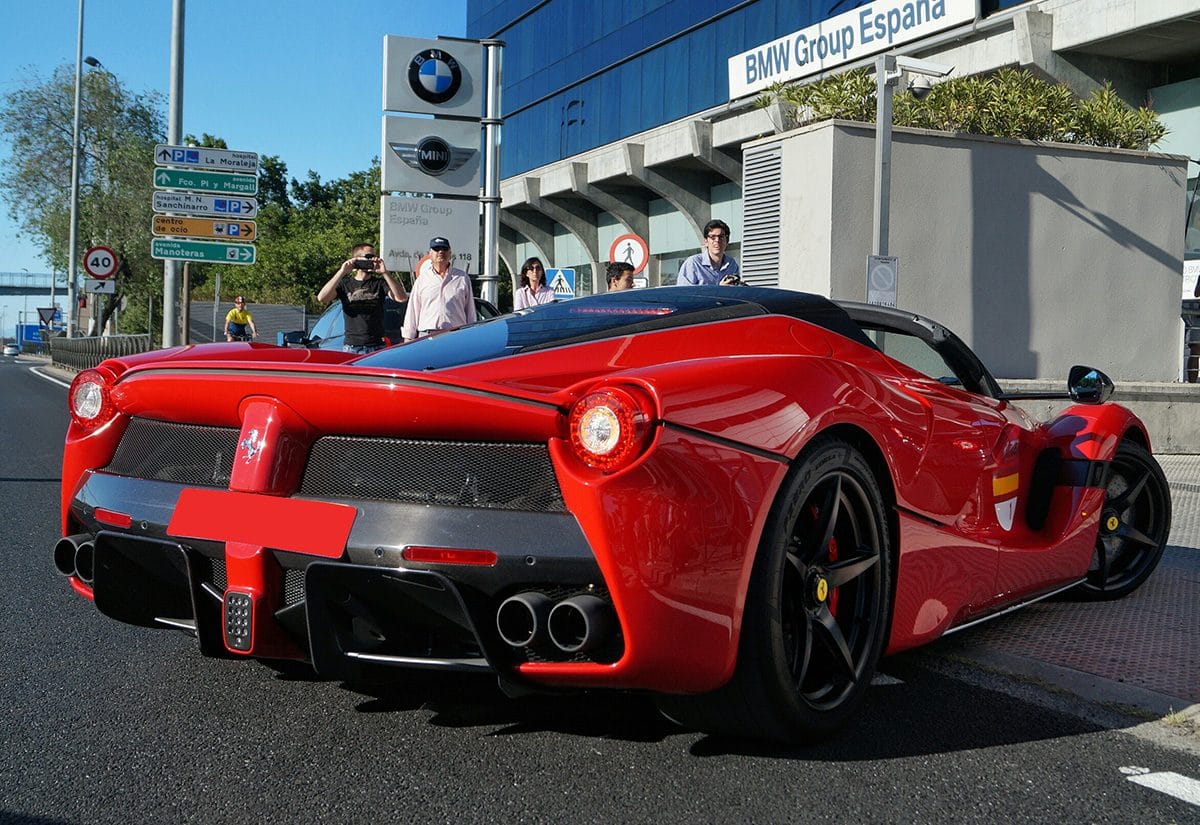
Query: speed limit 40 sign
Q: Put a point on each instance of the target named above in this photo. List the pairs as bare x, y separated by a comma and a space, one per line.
100, 262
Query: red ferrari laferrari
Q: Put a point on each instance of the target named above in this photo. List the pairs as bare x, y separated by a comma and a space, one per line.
736, 498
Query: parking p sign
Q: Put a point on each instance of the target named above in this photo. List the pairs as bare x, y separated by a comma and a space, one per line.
100, 262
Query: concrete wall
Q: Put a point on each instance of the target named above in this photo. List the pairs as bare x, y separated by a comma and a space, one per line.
1040, 256
1171, 412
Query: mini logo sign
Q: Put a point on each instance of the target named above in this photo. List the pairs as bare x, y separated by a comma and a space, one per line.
433, 155
434, 76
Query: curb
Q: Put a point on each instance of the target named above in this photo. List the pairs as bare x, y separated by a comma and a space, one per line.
1088, 686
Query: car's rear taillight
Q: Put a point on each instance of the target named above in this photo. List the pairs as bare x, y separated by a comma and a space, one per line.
90, 399
610, 427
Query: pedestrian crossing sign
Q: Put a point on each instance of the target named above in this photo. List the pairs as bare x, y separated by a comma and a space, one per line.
562, 281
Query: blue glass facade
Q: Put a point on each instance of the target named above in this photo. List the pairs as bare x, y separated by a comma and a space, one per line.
578, 76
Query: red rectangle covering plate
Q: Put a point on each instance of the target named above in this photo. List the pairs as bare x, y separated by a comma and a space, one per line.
318, 528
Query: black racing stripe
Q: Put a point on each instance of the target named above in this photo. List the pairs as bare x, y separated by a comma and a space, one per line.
367, 378
913, 514
727, 442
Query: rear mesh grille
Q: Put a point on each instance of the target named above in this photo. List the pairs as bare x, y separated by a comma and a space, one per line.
293, 586
184, 453
450, 473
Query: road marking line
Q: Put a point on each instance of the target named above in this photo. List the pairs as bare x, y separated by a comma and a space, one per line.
38, 372
1168, 782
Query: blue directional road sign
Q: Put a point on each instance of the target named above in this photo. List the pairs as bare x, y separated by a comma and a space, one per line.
562, 281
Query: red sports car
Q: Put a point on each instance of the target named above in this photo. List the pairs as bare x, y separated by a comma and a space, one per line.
735, 498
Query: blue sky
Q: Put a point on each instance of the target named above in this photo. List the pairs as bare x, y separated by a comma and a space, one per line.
301, 79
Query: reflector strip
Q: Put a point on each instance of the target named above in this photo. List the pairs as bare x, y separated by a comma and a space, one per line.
318, 528
449, 555
621, 310
1004, 485
112, 517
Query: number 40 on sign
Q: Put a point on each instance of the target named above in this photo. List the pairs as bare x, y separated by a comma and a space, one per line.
100, 262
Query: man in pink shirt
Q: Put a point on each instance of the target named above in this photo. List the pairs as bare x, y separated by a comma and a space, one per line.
441, 297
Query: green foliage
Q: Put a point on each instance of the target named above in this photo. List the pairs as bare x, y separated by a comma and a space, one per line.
303, 235
206, 140
1010, 103
305, 228
847, 96
118, 130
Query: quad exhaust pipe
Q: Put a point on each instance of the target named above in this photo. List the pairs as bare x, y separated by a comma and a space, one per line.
76, 556
574, 625
580, 624
522, 618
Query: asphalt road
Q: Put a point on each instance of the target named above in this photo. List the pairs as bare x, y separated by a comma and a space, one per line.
107, 723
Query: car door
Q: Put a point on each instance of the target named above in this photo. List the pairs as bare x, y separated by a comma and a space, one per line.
330, 329
963, 455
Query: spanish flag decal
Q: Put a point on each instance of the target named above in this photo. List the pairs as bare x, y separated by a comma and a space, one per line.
1004, 490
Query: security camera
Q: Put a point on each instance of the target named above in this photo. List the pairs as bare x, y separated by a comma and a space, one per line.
920, 87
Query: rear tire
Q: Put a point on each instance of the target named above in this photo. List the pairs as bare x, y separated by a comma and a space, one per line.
817, 609
1134, 525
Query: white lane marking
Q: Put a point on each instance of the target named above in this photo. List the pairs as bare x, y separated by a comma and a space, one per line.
1168, 782
884, 679
38, 372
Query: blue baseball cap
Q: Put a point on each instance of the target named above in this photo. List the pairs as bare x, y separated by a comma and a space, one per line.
439, 243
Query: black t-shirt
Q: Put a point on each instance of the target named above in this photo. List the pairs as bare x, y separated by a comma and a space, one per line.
362, 303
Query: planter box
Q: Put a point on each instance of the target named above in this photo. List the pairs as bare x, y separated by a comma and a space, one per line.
1038, 255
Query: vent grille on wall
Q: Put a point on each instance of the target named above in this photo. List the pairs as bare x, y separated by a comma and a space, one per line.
762, 184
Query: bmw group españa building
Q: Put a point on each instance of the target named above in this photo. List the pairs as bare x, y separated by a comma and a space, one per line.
629, 118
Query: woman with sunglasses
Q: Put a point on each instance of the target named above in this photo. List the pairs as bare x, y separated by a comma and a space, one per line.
533, 289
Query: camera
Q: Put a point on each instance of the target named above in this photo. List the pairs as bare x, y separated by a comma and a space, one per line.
366, 263
920, 87
734, 280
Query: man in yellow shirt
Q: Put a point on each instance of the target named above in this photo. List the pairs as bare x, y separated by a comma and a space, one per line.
239, 323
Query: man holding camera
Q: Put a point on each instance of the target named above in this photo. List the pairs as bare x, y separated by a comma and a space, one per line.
362, 295
442, 297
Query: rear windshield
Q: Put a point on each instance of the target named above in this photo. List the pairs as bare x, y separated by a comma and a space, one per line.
604, 316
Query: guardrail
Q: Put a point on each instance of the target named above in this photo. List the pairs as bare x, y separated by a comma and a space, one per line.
85, 353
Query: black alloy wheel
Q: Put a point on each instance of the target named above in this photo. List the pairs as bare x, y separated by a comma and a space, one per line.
817, 611
1134, 525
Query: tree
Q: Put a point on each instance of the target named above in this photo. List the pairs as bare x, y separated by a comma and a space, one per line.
303, 234
118, 131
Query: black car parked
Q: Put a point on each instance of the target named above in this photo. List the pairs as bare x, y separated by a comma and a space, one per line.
330, 328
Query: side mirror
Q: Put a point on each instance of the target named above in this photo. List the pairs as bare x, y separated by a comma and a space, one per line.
1088, 385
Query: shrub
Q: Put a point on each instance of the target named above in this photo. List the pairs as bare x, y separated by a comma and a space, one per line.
1010, 103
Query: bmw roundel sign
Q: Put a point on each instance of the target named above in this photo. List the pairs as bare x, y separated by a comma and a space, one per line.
434, 75
439, 77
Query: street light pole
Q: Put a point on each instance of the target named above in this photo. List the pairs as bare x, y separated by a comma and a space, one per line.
170, 330
885, 82
73, 241
882, 269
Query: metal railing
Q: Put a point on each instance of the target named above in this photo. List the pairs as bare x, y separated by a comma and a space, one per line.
85, 353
